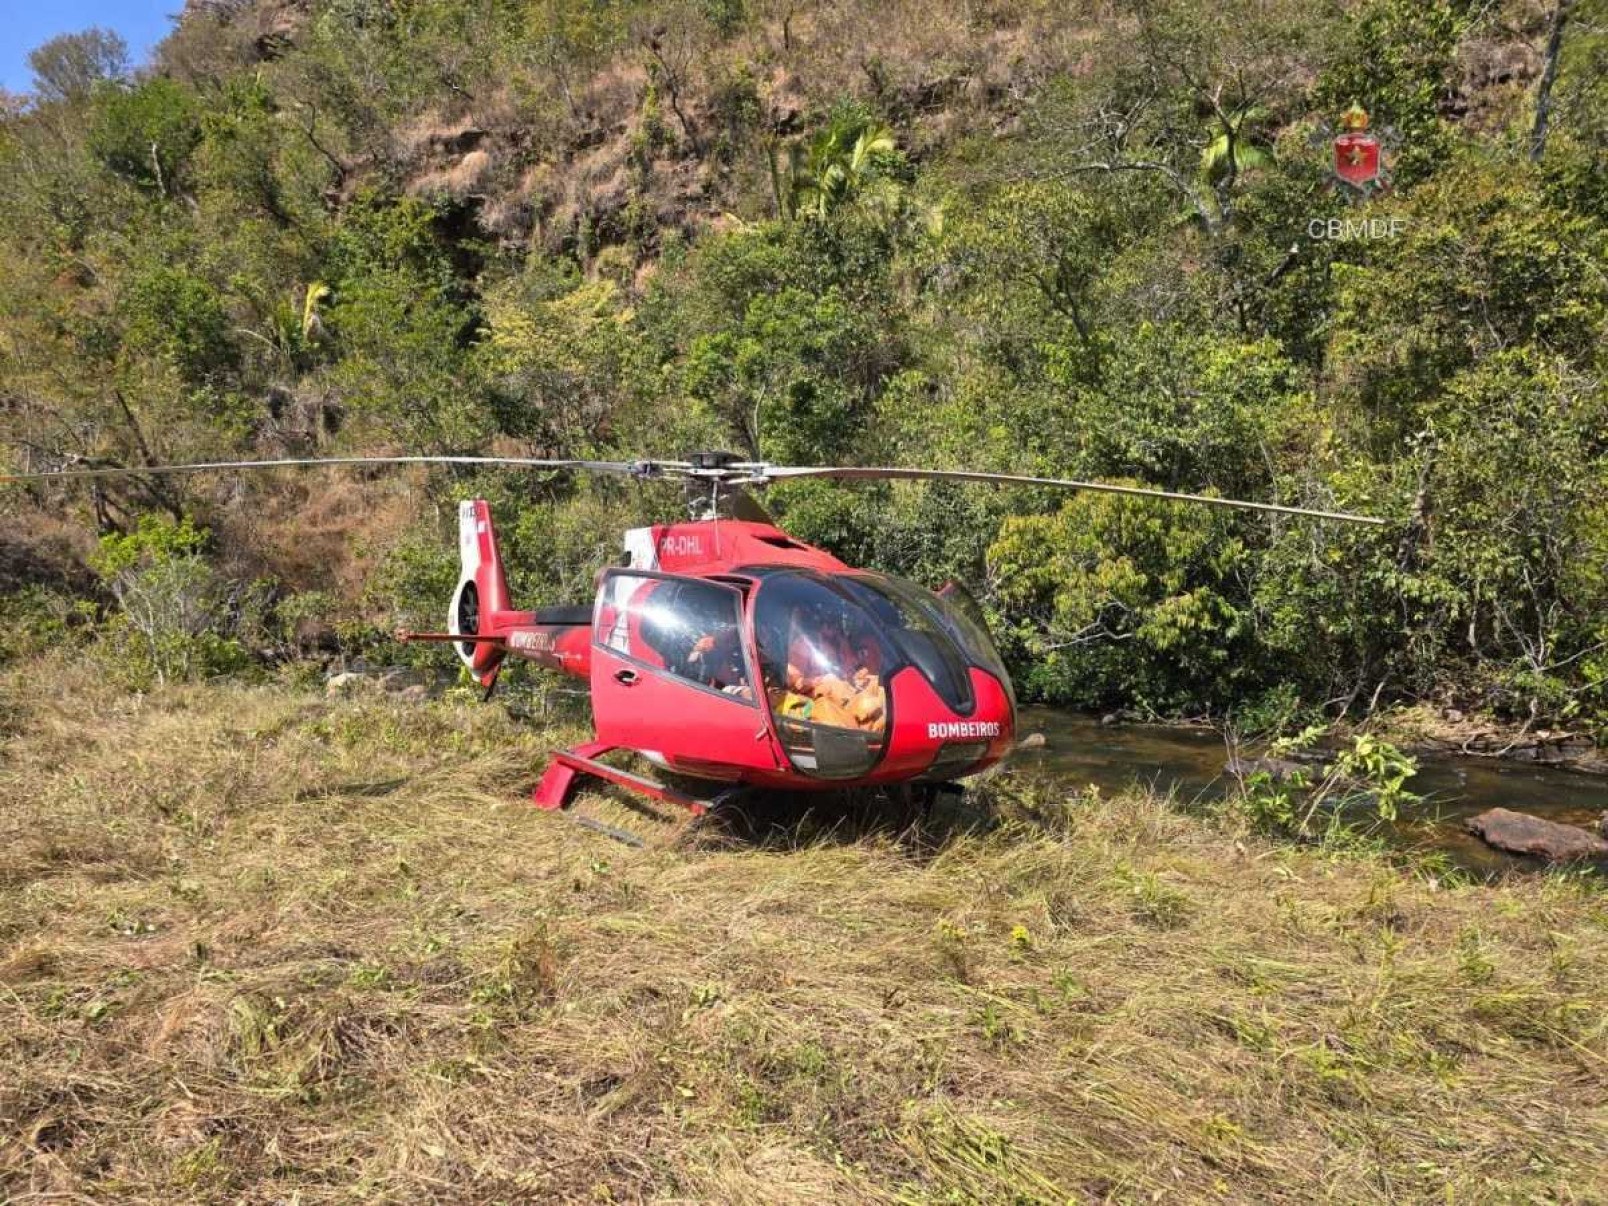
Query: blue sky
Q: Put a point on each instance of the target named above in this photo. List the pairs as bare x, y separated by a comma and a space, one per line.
26, 23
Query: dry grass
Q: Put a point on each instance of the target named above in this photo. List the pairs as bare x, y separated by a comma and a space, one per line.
255, 944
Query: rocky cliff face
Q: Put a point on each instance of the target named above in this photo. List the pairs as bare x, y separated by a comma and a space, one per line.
666, 128
663, 122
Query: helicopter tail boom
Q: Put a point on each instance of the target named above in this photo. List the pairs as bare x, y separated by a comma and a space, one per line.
483, 626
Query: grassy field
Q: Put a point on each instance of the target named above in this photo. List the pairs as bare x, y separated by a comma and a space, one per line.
259, 944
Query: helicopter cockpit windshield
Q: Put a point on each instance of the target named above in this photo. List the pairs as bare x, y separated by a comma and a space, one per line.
823, 661
829, 644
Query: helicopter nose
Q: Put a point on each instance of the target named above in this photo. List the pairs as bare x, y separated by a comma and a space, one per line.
939, 742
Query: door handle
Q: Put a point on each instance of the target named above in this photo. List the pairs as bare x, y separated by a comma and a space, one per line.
625, 677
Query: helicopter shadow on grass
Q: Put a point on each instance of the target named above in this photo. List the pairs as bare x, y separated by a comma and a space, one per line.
921, 821
922, 824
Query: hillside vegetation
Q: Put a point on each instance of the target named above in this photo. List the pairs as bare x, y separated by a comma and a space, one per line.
260, 942
1067, 240
260, 945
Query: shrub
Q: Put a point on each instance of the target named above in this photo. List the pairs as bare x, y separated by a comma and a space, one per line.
1116, 596
147, 133
36, 618
1362, 779
177, 617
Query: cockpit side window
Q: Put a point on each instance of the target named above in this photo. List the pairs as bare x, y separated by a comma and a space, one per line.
688, 628
960, 611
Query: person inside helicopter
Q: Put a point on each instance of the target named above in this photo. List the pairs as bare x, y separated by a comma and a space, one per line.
693, 628
716, 660
820, 658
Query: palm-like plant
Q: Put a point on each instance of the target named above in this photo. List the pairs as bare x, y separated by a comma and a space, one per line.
312, 322
1231, 150
838, 165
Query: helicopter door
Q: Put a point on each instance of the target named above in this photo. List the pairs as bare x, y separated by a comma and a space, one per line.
672, 676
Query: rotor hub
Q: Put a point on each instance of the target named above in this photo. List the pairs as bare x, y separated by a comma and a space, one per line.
714, 482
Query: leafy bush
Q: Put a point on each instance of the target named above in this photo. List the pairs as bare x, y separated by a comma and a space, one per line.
36, 619
1124, 598
1363, 778
177, 617
146, 133
174, 315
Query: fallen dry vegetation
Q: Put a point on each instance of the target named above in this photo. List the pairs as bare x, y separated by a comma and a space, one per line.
258, 944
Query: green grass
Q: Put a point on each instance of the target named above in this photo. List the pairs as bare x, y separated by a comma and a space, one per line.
259, 944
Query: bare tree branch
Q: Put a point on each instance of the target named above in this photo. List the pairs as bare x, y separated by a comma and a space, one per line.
1549, 75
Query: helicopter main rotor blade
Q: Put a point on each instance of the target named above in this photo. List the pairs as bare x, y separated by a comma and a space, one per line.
729, 474
773, 472
628, 468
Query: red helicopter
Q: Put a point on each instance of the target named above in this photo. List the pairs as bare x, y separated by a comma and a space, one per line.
725, 650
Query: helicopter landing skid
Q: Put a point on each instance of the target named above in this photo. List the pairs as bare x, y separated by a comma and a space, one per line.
553, 792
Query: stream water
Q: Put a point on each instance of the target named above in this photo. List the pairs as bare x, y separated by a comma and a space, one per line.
1190, 761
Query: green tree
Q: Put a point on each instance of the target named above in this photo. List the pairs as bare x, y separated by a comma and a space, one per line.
147, 133
1397, 59
177, 316
1483, 263
1123, 599
69, 65
558, 361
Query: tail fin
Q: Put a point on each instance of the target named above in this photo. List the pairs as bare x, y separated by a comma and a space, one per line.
482, 593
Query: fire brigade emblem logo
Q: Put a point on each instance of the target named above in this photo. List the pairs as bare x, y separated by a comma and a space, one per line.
1356, 152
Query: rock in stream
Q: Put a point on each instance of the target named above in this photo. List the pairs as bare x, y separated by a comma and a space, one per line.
1523, 834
